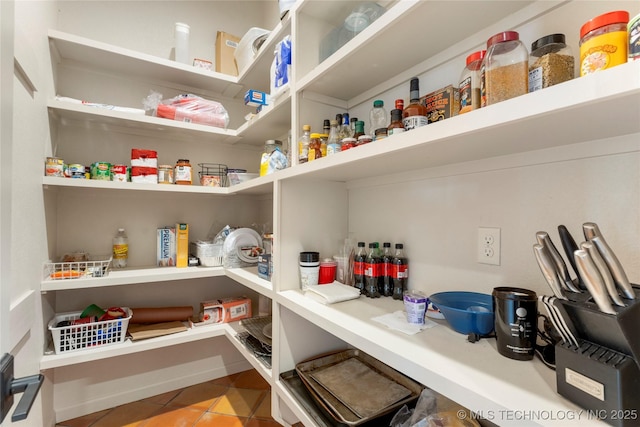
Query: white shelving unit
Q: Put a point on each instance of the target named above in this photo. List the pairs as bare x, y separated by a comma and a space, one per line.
564, 115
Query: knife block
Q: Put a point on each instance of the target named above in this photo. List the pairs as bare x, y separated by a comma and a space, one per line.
603, 381
616, 332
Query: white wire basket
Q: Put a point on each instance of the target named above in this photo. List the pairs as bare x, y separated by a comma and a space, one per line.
97, 266
87, 335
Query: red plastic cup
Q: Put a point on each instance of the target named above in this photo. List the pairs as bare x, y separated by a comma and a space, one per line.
327, 272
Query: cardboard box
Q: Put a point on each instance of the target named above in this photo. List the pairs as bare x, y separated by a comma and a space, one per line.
255, 98
442, 104
182, 245
226, 45
265, 266
225, 310
166, 247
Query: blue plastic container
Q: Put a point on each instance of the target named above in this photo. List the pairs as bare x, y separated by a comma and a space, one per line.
466, 312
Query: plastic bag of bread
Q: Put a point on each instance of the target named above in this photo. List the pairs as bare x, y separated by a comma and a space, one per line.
193, 109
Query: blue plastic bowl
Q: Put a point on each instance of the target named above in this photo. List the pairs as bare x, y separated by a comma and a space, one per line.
466, 312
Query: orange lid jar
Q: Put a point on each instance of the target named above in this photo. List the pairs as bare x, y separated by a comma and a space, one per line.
604, 42
182, 174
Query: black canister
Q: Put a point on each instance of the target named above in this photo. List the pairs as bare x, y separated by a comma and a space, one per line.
516, 314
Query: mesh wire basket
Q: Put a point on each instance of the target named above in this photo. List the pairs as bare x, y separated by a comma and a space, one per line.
97, 266
213, 174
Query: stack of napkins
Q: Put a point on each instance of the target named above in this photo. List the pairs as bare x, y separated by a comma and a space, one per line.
332, 293
398, 321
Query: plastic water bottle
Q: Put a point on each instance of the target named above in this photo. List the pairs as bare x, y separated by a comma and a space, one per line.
120, 249
377, 117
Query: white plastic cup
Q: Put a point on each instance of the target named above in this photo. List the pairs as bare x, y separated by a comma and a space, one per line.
309, 269
182, 43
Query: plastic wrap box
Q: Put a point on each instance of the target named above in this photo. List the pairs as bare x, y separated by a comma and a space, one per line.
225, 310
182, 245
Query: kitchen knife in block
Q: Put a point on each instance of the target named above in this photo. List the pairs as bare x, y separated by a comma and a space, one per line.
561, 268
619, 276
570, 246
548, 269
604, 272
592, 279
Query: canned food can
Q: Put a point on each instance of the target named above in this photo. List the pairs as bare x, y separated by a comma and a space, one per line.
76, 170
54, 166
119, 173
101, 171
633, 28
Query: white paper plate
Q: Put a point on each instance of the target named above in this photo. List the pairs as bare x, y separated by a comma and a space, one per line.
245, 243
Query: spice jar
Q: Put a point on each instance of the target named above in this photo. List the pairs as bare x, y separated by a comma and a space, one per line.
364, 139
165, 174
348, 143
604, 42
469, 86
550, 62
182, 172
505, 68
315, 146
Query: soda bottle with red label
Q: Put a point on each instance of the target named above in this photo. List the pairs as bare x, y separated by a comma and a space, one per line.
400, 272
358, 267
372, 270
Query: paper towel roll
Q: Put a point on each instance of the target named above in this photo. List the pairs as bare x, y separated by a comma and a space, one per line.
161, 314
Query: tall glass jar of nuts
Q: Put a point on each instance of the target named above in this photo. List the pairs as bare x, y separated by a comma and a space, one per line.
505, 68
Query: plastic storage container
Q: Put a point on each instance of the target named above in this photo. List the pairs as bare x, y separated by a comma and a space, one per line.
182, 43
469, 86
551, 62
87, 335
604, 42
505, 68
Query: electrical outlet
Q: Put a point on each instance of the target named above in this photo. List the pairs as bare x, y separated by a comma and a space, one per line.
489, 245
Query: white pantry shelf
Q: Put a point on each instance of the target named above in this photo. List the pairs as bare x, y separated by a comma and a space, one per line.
130, 276
53, 360
564, 114
473, 374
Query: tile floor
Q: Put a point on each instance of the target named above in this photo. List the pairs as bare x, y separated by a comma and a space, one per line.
239, 400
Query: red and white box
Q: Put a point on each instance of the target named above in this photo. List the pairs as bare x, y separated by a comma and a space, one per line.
144, 158
225, 310
144, 175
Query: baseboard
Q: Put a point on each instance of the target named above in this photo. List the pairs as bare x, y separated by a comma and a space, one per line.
148, 390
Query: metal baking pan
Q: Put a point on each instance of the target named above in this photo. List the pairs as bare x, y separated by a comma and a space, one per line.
333, 401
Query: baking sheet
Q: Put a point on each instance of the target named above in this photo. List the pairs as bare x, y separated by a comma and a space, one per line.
333, 406
359, 387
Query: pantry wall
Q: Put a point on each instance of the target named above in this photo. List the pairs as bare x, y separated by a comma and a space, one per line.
434, 208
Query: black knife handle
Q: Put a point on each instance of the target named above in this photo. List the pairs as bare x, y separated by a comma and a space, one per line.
570, 246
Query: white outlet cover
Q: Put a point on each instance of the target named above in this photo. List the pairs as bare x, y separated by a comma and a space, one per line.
488, 250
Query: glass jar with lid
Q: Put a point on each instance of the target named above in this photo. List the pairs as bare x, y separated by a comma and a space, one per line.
550, 62
182, 172
505, 68
469, 86
270, 146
